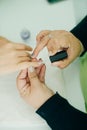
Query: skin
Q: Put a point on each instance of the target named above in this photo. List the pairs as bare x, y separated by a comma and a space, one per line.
32, 87
14, 56
59, 40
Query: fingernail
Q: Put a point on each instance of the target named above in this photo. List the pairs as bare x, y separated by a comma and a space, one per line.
32, 55
31, 69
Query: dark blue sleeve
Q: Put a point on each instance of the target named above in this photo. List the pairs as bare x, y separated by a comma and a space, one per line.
80, 31
60, 115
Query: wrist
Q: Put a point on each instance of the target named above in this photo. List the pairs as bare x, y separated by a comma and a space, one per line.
48, 94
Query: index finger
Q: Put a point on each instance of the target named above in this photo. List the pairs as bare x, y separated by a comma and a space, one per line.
41, 35
40, 46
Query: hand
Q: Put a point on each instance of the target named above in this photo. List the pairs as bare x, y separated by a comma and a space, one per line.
14, 56
31, 86
59, 40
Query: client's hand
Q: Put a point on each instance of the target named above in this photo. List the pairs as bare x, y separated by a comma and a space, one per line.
31, 86
14, 56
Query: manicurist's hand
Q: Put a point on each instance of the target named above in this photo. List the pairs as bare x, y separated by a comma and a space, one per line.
31, 86
14, 56
59, 40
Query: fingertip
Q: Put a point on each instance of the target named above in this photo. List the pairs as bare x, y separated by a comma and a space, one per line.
44, 66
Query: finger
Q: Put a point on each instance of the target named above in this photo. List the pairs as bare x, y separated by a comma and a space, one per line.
24, 53
14, 54
23, 74
21, 54
27, 64
34, 59
22, 59
20, 46
14, 60
42, 34
12, 67
33, 77
21, 79
62, 64
3, 40
40, 46
37, 69
42, 73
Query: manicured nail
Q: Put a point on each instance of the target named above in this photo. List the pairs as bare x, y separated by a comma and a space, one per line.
31, 69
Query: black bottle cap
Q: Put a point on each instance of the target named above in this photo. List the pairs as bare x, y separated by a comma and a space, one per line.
58, 56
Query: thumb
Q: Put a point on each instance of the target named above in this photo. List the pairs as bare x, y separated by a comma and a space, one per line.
34, 81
